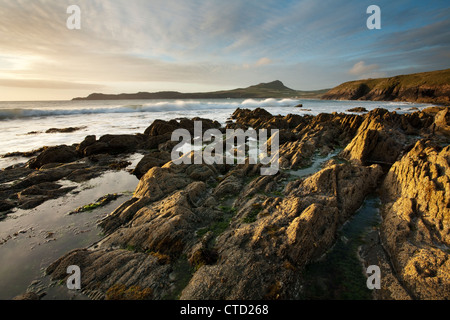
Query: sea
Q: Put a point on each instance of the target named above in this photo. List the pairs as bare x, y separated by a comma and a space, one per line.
24, 124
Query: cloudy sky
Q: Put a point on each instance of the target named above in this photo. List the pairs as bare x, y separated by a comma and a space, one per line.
205, 45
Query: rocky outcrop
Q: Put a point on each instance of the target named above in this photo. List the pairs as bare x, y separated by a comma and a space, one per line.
110, 144
25, 188
301, 136
416, 220
358, 110
148, 235
162, 127
383, 136
261, 258
256, 255
224, 232
442, 122
59, 154
154, 159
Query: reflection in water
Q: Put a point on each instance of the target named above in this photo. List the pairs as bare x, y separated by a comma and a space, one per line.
339, 274
33, 239
317, 164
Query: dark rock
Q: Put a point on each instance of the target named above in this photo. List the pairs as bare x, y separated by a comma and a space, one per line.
64, 130
6, 205
160, 127
35, 195
442, 122
110, 144
59, 154
88, 141
154, 159
24, 154
153, 142
96, 148
120, 143
119, 165
27, 296
357, 109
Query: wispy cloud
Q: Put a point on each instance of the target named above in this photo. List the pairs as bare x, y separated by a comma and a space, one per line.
363, 70
264, 61
48, 84
195, 44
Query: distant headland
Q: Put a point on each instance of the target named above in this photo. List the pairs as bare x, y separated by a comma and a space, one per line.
274, 89
425, 87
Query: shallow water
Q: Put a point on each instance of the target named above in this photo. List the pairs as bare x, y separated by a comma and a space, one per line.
317, 163
339, 274
35, 238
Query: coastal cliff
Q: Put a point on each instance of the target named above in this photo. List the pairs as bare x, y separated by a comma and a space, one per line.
427, 87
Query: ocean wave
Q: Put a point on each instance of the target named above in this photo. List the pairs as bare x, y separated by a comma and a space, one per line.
271, 102
160, 106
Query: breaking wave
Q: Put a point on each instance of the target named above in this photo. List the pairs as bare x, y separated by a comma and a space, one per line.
160, 106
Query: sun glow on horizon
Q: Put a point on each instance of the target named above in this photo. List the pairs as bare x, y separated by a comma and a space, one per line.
126, 47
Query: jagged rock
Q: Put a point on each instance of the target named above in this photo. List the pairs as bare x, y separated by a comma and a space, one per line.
230, 185
293, 120
88, 141
154, 159
358, 110
239, 237
158, 182
379, 139
416, 224
442, 122
27, 296
160, 127
96, 148
121, 143
64, 130
245, 115
59, 154
261, 259
39, 193
155, 235
109, 144
6, 205
12, 174
433, 110
153, 142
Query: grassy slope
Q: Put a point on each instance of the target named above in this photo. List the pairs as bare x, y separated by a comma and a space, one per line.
275, 89
433, 87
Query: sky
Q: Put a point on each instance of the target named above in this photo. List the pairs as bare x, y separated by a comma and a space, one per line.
205, 45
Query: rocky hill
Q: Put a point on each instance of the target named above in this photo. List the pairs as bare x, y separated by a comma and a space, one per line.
274, 89
427, 87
